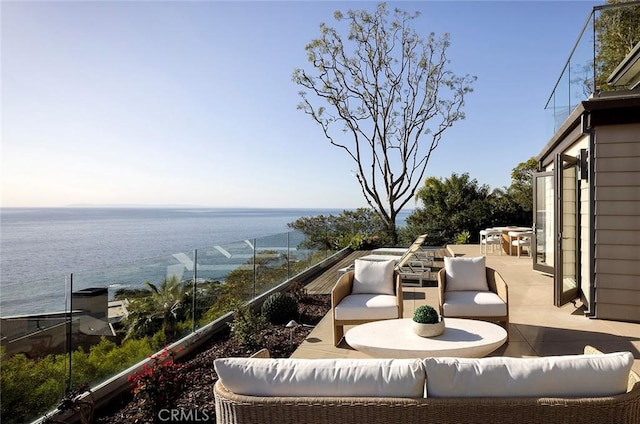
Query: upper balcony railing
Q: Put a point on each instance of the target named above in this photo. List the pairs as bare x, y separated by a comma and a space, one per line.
609, 34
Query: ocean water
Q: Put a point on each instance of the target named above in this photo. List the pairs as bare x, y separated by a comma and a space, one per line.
121, 247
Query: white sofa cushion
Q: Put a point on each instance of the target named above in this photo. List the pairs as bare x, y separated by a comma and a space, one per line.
473, 304
373, 277
322, 377
466, 274
554, 376
367, 307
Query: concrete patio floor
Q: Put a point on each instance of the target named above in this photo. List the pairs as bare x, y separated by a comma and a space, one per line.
537, 327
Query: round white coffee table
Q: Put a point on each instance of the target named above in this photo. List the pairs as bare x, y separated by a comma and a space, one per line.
394, 338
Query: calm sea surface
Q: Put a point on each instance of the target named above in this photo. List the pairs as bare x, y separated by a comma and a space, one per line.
41, 247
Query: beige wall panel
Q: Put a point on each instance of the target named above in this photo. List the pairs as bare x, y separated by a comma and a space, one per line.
618, 312
627, 133
618, 193
621, 282
617, 179
617, 150
608, 251
628, 163
619, 297
618, 208
616, 266
617, 223
620, 237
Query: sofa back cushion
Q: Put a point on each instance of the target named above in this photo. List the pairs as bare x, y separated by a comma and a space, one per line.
554, 376
373, 277
466, 274
322, 377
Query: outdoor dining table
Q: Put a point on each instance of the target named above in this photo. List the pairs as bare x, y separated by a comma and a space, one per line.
506, 240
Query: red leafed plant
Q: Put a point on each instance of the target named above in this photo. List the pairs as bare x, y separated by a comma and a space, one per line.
159, 383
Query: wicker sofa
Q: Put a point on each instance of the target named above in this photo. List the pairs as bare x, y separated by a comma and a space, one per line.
239, 409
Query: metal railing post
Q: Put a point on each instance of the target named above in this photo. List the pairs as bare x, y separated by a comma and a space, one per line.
195, 291
255, 268
69, 333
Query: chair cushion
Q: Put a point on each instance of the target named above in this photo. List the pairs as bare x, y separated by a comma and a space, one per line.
553, 376
322, 377
367, 307
373, 277
473, 304
466, 274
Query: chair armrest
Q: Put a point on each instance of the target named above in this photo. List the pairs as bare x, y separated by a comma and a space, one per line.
399, 295
342, 288
442, 283
497, 284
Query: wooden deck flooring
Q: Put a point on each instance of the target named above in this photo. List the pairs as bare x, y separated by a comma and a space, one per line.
324, 282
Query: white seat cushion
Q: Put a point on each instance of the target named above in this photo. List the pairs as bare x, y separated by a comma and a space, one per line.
322, 377
553, 376
473, 304
373, 277
367, 306
466, 274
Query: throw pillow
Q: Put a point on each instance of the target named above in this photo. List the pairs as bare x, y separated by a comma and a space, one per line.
373, 277
322, 377
552, 376
466, 274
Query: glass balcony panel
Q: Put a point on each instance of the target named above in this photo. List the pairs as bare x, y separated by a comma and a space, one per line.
35, 326
591, 62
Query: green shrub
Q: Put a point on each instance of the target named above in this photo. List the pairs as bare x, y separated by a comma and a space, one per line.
280, 307
463, 237
32, 387
247, 327
426, 314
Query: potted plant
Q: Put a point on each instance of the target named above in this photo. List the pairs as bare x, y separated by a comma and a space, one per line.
427, 322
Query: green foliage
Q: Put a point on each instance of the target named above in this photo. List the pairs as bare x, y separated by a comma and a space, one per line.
426, 314
385, 97
449, 207
280, 307
463, 237
158, 384
31, 387
617, 33
161, 308
247, 327
455, 209
359, 229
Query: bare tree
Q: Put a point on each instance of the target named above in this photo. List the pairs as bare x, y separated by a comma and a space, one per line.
391, 95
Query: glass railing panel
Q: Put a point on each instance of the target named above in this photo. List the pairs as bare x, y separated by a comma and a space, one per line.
124, 313
271, 261
225, 275
575, 83
610, 33
34, 339
115, 321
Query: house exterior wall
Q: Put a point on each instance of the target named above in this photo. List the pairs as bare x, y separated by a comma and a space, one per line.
616, 162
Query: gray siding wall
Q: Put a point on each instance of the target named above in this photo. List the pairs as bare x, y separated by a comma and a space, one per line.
617, 222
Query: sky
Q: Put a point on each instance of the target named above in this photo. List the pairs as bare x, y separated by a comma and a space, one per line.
192, 102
